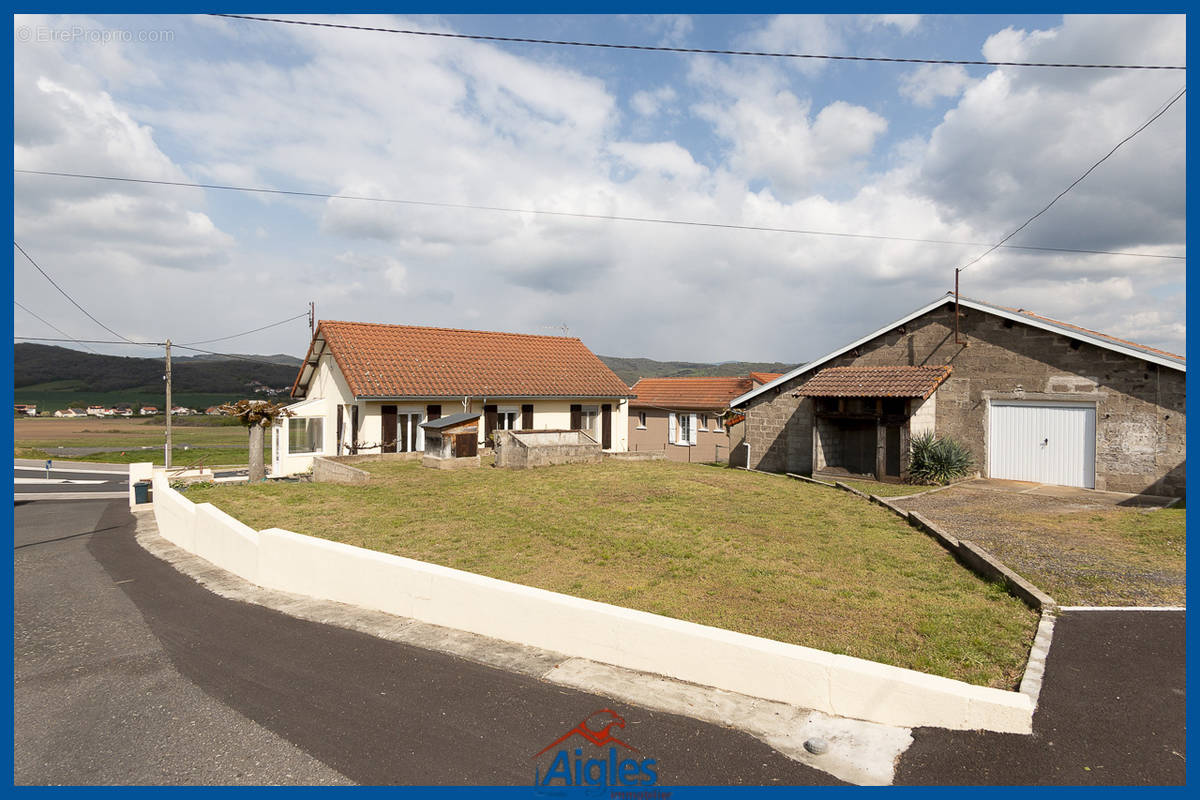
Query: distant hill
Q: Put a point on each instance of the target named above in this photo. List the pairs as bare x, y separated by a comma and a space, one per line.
36, 365
279, 358
631, 369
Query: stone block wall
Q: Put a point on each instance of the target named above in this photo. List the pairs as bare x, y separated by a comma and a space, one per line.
1140, 413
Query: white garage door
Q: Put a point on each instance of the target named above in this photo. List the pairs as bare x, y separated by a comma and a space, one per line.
1043, 442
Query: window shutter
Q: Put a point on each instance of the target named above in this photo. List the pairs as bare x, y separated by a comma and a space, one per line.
606, 426
527, 417
692, 430
354, 430
576, 417
671, 428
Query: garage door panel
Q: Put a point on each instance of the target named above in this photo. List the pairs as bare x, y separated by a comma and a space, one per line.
1043, 442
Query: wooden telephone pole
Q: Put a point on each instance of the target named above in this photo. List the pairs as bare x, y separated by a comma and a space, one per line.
168, 379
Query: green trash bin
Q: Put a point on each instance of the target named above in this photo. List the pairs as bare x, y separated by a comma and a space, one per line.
141, 492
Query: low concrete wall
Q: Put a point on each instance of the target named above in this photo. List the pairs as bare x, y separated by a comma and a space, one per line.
834, 684
637, 455
331, 470
523, 450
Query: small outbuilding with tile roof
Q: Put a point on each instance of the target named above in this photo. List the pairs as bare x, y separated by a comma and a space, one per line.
687, 417
1032, 398
367, 388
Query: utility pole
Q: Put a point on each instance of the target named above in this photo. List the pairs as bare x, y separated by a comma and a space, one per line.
168, 378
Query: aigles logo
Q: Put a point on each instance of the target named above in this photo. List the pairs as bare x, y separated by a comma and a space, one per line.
572, 766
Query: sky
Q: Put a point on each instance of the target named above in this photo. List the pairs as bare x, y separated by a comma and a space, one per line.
956, 153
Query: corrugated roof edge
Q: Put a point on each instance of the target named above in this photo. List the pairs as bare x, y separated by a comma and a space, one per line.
1074, 332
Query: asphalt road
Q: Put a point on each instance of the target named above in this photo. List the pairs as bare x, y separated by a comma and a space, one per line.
126, 671
129, 672
30, 481
1112, 712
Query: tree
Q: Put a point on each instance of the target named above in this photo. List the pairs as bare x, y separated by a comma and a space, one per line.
256, 415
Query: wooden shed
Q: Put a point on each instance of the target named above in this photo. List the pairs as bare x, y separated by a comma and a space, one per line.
452, 442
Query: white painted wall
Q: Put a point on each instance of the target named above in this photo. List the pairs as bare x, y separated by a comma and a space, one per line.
750, 665
923, 416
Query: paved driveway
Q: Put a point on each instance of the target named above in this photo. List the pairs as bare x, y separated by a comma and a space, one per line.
1081, 547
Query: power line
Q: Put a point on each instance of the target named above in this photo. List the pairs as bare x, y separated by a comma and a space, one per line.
1162, 110
85, 341
688, 50
247, 333
55, 327
579, 215
64, 294
154, 344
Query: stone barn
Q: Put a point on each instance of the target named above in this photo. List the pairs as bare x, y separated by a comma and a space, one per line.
1033, 398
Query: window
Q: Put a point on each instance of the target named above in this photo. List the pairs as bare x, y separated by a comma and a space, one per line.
641, 419
704, 422
507, 419
719, 423
589, 416
305, 434
685, 432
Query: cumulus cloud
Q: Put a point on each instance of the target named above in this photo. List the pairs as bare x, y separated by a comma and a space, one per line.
929, 82
744, 142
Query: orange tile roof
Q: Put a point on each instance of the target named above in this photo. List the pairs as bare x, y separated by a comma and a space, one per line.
901, 381
700, 394
408, 361
764, 377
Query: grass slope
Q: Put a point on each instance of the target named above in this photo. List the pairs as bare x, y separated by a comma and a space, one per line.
758, 554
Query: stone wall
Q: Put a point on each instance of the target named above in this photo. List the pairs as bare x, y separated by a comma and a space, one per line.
522, 450
1140, 415
334, 470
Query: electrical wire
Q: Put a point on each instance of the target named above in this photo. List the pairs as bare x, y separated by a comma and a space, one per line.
247, 333
1162, 110
64, 294
687, 50
154, 344
577, 215
55, 327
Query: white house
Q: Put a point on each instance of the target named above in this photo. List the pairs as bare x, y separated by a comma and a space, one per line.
366, 388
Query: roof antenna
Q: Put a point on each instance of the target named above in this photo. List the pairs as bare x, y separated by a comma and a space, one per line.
562, 326
312, 320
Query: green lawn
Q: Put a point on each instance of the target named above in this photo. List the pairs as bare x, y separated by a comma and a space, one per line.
880, 489
754, 553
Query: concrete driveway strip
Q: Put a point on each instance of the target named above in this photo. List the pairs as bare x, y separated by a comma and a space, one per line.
1112, 712
96, 699
208, 689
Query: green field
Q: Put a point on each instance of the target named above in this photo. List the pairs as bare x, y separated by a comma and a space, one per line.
753, 553
51, 397
214, 440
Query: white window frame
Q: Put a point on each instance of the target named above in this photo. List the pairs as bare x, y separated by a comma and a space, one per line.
719, 423
320, 437
641, 421
703, 423
502, 413
592, 430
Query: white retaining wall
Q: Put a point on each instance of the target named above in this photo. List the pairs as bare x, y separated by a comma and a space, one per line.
834, 684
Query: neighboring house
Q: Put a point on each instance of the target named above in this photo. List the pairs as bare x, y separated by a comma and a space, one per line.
147, 411
71, 412
1032, 398
182, 411
24, 409
98, 411
213, 411
686, 417
366, 388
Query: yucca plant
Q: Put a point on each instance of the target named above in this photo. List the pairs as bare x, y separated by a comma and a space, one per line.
938, 460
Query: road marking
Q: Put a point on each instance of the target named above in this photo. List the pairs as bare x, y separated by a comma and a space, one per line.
1122, 608
59, 481
56, 470
27, 496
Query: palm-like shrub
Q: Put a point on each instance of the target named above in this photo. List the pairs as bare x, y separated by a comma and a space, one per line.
938, 460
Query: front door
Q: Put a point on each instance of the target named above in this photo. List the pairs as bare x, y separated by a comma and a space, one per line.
388, 421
